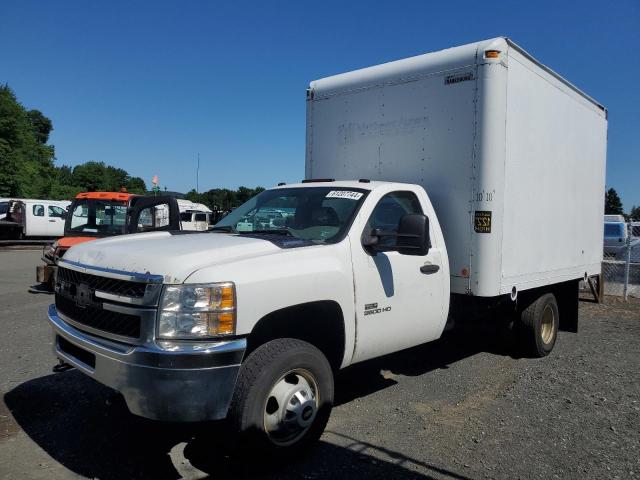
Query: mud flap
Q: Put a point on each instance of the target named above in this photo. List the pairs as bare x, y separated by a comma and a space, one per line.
567, 296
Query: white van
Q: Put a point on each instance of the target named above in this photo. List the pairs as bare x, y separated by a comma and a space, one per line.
194, 216
39, 218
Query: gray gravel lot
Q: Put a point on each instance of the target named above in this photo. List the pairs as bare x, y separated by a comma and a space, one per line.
459, 408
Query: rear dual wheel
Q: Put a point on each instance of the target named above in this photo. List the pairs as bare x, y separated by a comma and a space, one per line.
538, 327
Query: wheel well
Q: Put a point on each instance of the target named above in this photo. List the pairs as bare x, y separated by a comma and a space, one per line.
319, 323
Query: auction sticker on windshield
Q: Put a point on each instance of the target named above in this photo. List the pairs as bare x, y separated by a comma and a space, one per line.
344, 194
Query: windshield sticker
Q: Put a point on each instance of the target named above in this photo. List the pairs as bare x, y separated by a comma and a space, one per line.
344, 194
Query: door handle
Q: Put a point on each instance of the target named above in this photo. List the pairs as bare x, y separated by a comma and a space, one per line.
52, 220
429, 268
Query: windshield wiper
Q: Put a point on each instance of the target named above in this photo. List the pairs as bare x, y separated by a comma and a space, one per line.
281, 231
223, 228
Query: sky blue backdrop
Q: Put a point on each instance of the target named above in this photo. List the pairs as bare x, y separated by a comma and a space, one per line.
147, 85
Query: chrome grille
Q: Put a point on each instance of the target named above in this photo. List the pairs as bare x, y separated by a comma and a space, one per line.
114, 286
94, 316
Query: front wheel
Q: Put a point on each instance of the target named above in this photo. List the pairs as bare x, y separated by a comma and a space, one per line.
283, 397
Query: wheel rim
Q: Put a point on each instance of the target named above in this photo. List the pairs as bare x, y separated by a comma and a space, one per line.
291, 407
547, 330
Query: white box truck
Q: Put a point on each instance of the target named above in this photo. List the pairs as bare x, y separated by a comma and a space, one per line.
511, 155
466, 179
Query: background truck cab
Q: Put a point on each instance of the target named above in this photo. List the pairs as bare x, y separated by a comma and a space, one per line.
35, 218
94, 215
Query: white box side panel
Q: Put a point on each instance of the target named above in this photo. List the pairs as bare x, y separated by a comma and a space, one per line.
554, 180
489, 193
420, 132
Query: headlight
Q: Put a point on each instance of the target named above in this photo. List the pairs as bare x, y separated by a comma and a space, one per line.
197, 311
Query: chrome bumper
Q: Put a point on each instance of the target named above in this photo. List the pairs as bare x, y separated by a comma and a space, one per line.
186, 385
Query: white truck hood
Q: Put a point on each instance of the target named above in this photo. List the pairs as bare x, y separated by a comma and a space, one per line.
175, 257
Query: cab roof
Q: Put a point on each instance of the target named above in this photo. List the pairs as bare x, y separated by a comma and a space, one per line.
121, 196
360, 184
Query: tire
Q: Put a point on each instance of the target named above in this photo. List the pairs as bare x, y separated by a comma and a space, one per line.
282, 378
538, 326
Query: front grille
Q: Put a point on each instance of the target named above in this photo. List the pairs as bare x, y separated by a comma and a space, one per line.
76, 352
123, 288
113, 322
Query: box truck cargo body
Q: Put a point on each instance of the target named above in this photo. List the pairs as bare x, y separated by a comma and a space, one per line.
511, 155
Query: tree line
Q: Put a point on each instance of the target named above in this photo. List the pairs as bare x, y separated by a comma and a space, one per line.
613, 206
223, 198
27, 168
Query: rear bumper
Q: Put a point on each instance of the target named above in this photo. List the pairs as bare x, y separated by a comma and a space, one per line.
192, 385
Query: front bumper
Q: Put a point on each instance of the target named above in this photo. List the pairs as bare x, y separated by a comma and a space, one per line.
45, 273
192, 385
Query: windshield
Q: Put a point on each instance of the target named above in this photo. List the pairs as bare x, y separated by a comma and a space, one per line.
614, 229
317, 214
96, 218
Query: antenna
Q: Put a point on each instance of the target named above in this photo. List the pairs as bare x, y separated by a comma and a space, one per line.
198, 175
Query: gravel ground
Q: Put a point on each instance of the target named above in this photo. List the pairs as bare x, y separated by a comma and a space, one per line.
459, 408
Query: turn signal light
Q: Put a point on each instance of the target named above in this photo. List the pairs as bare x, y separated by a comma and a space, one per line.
492, 54
226, 300
226, 323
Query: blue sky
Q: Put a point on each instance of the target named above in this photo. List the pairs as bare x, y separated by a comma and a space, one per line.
146, 86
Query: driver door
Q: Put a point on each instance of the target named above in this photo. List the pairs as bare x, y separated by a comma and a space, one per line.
399, 298
149, 214
55, 220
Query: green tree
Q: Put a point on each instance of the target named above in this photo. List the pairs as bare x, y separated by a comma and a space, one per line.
115, 178
612, 203
223, 198
136, 185
91, 176
26, 162
42, 126
65, 175
634, 215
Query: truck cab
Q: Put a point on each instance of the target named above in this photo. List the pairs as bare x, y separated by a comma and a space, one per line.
36, 218
169, 319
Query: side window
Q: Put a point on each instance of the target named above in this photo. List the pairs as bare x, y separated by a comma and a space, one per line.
55, 211
390, 209
38, 210
153, 217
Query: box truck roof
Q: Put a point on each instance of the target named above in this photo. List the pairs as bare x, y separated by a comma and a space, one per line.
413, 68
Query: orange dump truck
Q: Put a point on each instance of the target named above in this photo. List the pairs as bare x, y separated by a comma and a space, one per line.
94, 215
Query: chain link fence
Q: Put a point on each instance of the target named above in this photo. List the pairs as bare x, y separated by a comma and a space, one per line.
621, 266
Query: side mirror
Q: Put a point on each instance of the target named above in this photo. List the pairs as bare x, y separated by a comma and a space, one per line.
412, 237
413, 234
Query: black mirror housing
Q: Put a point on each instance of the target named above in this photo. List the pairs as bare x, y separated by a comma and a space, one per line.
413, 234
412, 237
